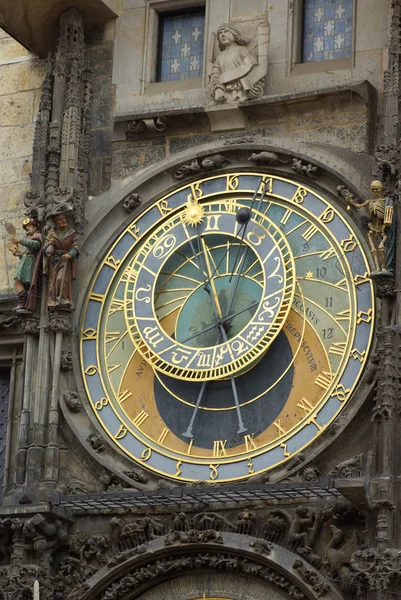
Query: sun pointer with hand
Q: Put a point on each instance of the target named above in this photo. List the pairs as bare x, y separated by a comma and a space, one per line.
193, 213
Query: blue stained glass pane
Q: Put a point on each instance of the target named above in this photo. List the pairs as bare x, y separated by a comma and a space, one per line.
327, 32
181, 46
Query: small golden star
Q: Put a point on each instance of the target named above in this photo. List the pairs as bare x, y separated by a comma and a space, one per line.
193, 213
309, 275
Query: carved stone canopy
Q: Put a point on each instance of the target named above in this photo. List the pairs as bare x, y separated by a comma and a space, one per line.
148, 565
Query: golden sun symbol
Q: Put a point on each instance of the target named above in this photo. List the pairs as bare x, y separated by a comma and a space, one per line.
193, 213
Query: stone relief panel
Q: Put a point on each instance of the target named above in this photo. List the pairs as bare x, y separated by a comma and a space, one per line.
239, 63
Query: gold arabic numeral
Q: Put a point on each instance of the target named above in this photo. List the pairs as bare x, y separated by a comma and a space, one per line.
164, 208
140, 419
196, 191
178, 467
191, 443
256, 235
280, 428
364, 316
349, 244
232, 183
344, 315
286, 453
89, 334
121, 433
112, 336
163, 436
140, 294
230, 205
338, 348
250, 442
153, 336
324, 379
266, 184
112, 262
212, 223
214, 472
101, 403
219, 448
360, 279
134, 231
146, 454
358, 355
299, 195
310, 232
97, 297
123, 396
327, 215
286, 216
305, 405
116, 306
326, 254
91, 370
250, 467
341, 392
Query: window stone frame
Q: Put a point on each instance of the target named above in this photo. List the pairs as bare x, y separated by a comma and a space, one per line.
295, 66
154, 8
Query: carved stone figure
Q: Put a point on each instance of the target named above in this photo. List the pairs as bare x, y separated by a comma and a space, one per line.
72, 401
267, 158
26, 277
131, 202
238, 72
319, 585
339, 552
304, 527
303, 168
381, 214
61, 253
349, 468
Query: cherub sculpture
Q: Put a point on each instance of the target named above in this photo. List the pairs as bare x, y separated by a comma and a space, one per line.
381, 214
237, 73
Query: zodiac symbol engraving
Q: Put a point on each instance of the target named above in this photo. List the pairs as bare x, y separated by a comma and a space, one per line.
274, 274
268, 310
145, 289
178, 356
220, 355
254, 334
153, 336
164, 247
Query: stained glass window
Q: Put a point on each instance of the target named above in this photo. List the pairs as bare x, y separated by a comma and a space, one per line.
327, 29
181, 46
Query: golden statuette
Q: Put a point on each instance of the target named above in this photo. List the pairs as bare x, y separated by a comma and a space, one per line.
193, 212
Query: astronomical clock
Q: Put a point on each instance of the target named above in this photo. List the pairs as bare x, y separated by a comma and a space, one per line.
226, 327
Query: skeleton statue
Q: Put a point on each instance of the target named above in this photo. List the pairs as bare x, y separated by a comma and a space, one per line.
381, 214
237, 73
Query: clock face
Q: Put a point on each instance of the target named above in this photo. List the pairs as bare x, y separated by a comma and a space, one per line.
227, 327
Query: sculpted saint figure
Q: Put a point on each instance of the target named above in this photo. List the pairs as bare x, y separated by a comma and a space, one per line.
237, 73
27, 273
381, 213
61, 253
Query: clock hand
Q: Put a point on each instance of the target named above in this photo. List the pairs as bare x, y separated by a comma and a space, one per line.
206, 252
188, 433
209, 327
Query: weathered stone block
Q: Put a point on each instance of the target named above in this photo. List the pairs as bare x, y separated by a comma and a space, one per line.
103, 102
14, 196
9, 75
31, 75
16, 109
16, 142
101, 142
100, 59
12, 51
10, 171
131, 160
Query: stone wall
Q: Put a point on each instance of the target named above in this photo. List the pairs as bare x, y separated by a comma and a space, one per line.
21, 76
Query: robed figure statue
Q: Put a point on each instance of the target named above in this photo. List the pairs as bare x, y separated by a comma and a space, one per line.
61, 253
27, 275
